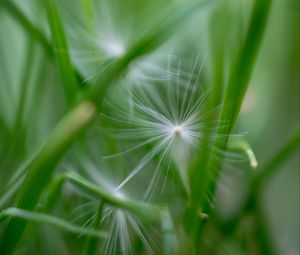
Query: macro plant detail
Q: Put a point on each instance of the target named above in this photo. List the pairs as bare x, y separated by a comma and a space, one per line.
166, 117
149, 127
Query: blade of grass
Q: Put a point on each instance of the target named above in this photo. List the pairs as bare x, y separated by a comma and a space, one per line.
7, 196
21, 18
263, 234
150, 212
17, 146
16, 179
241, 145
168, 230
205, 171
151, 40
240, 75
19, 128
279, 158
88, 11
92, 243
61, 51
51, 220
145, 210
41, 169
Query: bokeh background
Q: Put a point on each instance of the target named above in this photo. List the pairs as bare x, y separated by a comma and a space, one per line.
270, 111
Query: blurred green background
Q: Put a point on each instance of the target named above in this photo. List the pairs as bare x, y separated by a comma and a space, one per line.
270, 111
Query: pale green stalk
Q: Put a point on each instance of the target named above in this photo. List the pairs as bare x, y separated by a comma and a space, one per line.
207, 168
51, 220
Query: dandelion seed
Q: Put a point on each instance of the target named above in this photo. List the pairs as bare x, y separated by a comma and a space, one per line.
120, 223
113, 47
177, 130
95, 43
167, 115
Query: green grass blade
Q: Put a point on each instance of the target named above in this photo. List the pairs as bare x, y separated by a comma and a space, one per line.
239, 80
51, 220
279, 158
88, 12
43, 166
19, 126
204, 175
23, 21
243, 66
148, 211
237, 144
98, 192
61, 51
145, 210
92, 243
7, 196
151, 40
168, 230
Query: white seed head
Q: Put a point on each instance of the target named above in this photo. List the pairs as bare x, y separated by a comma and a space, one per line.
113, 47
166, 114
177, 130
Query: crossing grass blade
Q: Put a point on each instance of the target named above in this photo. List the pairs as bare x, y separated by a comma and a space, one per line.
23, 21
61, 50
50, 220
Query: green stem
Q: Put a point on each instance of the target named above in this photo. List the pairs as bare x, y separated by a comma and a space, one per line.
241, 145
88, 11
263, 238
51, 220
92, 243
19, 129
240, 76
24, 83
168, 230
61, 51
17, 146
41, 169
147, 211
203, 181
26, 23
150, 212
279, 158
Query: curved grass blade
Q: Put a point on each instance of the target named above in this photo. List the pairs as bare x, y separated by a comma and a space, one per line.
51, 220
145, 210
241, 145
21, 18
61, 51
